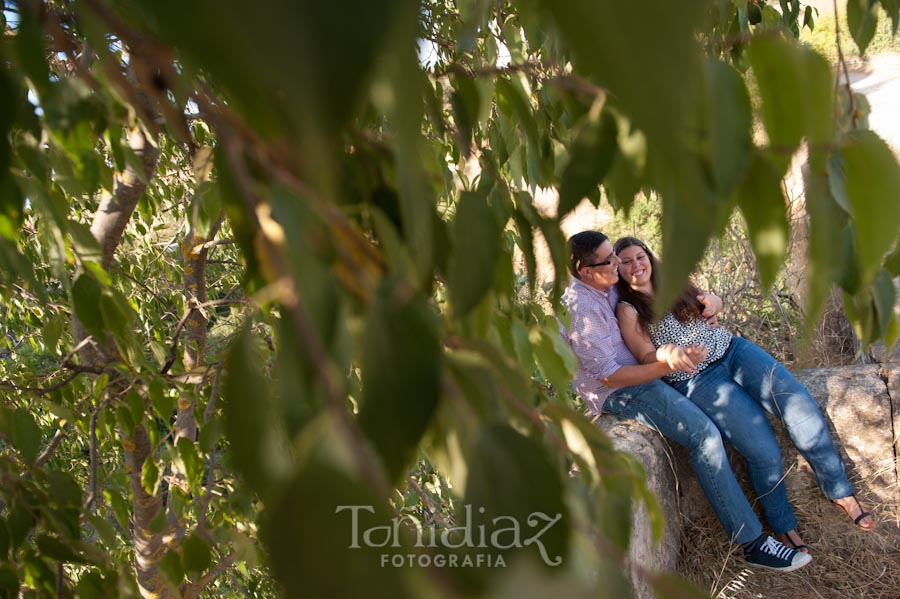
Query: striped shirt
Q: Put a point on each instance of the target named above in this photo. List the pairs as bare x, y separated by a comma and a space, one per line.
595, 338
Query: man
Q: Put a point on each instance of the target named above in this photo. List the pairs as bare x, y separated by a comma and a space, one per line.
610, 379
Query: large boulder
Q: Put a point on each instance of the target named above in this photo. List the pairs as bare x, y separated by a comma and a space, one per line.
651, 449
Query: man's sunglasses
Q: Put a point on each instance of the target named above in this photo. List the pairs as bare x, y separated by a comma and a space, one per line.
607, 262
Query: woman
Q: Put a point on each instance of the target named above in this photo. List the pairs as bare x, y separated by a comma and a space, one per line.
734, 385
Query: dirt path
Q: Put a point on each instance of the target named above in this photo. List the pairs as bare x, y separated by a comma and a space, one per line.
880, 82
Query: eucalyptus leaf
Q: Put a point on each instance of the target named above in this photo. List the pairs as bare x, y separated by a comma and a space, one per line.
872, 183
476, 249
731, 122
398, 403
590, 159
762, 201
512, 480
196, 554
862, 21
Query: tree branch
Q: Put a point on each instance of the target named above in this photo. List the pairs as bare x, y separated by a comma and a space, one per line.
843, 63
179, 328
193, 591
92, 495
289, 295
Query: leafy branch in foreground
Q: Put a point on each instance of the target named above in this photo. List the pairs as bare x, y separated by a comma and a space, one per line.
179, 424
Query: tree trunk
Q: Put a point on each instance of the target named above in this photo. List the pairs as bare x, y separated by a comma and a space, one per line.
194, 255
834, 336
107, 227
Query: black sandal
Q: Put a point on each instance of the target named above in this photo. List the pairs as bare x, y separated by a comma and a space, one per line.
785, 539
863, 514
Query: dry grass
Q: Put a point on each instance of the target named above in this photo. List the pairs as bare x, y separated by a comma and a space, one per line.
848, 563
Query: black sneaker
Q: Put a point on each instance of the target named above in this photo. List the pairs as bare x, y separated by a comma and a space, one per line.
775, 556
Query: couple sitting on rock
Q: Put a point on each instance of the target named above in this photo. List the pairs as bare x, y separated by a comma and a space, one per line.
719, 386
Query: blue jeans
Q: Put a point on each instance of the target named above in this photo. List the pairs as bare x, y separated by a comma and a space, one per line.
660, 407
735, 392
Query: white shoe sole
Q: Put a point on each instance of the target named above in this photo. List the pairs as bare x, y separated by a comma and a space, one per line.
804, 558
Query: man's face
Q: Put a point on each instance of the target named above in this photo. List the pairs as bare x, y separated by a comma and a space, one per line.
602, 270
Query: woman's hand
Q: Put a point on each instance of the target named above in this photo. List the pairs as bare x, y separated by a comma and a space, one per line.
679, 358
697, 353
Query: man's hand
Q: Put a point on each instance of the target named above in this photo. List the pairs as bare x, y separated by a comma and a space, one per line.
680, 358
712, 305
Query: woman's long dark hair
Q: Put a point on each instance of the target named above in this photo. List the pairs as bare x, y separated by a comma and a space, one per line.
687, 307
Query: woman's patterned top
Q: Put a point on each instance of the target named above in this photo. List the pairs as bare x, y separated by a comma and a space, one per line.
669, 330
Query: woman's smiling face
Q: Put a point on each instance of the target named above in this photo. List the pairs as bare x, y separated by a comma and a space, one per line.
635, 268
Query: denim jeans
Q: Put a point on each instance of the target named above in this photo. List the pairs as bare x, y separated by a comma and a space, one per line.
663, 409
735, 392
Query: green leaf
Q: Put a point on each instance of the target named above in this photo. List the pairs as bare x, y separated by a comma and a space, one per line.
818, 87
120, 508
554, 358
666, 64
525, 240
511, 478
195, 554
892, 262
670, 586
397, 403
614, 509
20, 522
30, 45
559, 253
395, 251
826, 222
884, 297
434, 107
892, 8
210, 433
291, 49
862, 21
4, 540
104, 529
22, 431
872, 183
809, 19
125, 420
590, 159
206, 206
190, 461
777, 72
626, 177
258, 448
421, 226
731, 121
9, 582
118, 315
162, 402
149, 476
321, 520
90, 586
172, 567
86, 294
513, 100
476, 249
771, 18
476, 382
55, 549
762, 201
53, 331
464, 102
63, 488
